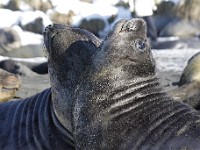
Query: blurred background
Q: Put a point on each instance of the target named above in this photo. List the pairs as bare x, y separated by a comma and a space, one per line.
23, 21
173, 29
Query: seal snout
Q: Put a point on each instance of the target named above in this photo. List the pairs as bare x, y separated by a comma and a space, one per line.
52, 29
50, 32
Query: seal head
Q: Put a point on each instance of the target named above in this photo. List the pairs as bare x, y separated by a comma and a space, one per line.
69, 51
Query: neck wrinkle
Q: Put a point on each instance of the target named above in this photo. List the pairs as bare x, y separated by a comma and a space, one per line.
134, 86
129, 97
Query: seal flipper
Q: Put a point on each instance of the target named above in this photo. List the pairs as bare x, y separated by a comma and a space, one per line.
68, 51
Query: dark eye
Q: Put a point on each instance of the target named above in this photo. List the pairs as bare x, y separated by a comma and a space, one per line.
140, 45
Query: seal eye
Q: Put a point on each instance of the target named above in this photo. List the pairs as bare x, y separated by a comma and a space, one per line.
140, 45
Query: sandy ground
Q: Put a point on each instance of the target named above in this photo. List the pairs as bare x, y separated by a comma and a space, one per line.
32, 85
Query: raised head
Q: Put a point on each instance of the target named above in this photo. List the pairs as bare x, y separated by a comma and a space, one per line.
69, 51
122, 67
126, 51
131, 47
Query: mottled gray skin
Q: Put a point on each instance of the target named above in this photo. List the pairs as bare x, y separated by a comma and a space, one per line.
43, 122
120, 104
69, 52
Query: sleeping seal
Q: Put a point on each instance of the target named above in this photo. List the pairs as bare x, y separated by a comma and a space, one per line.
119, 103
43, 122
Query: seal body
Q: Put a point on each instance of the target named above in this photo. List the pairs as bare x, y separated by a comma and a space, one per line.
120, 104
31, 124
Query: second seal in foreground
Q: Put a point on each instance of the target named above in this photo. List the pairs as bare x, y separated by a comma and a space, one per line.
120, 103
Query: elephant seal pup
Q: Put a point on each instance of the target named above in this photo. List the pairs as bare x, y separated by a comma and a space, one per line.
42, 122
120, 104
69, 51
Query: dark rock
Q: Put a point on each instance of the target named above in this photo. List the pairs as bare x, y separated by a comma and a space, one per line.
93, 25
16, 68
10, 40
165, 8
13, 5
161, 21
41, 68
122, 4
35, 26
112, 18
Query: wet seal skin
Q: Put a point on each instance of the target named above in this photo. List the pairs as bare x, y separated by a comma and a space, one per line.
119, 103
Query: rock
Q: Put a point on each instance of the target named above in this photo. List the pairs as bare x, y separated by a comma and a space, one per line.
34, 21
176, 43
94, 25
16, 68
88, 1
9, 84
189, 83
41, 68
27, 51
36, 26
181, 28
31, 85
165, 8
164, 14
189, 10
161, 21
31, 46
13, 5
40, 5
10, 40
62, 18
192, 70
188, 93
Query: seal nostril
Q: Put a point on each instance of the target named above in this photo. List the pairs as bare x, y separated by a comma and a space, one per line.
140, 45
47, 28
133, 28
